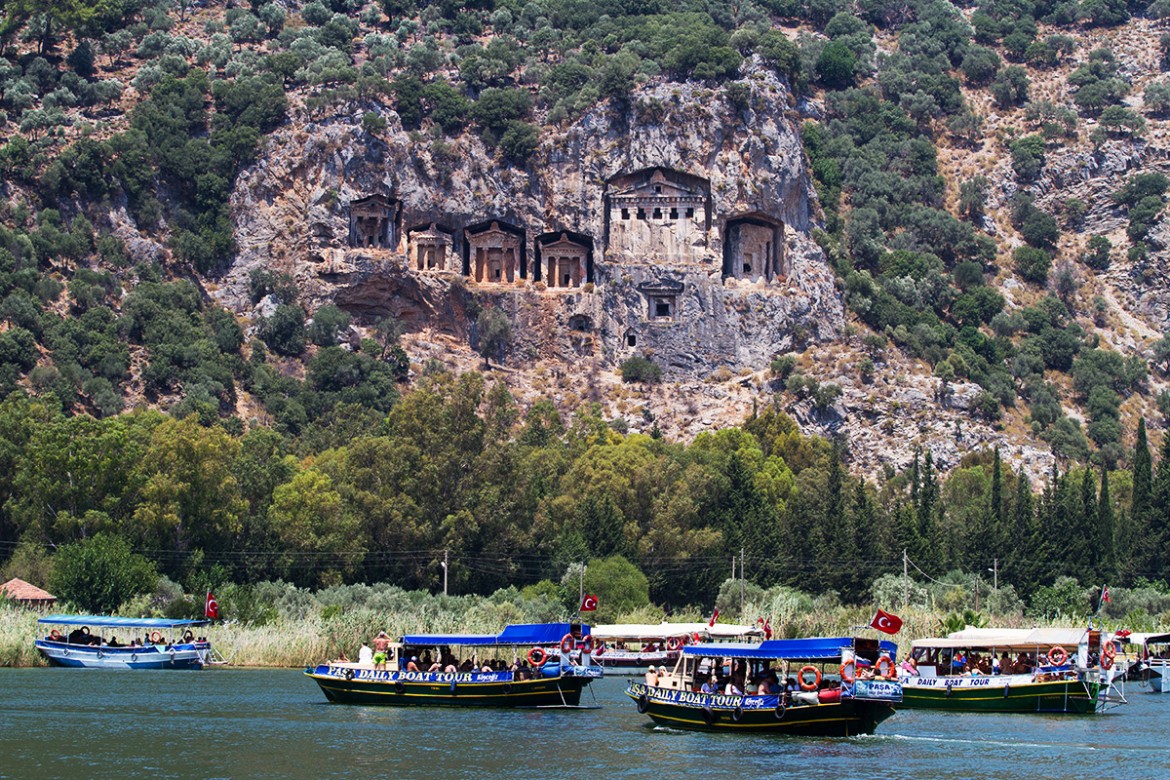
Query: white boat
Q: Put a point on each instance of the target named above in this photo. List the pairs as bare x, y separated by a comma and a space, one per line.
1150, 660
628, 648
92, 642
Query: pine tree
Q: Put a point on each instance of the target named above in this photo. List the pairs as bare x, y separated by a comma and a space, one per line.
1106, 549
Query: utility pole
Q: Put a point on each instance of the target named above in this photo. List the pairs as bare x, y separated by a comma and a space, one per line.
445, 553
581, 588
733, 568
741, 584
905, 580
995, 575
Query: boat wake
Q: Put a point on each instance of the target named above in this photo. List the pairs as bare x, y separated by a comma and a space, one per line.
1016, 744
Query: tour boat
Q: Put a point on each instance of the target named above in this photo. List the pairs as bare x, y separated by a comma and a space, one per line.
1151, 666
511, 669
92, 642
628, 648
1044, 670
836, 698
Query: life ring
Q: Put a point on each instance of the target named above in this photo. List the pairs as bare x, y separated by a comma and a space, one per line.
804, 684
1108, 654
55, 635
349, 674
643, 703
1057, 652
673, 644
587, 644
399, 686
851, 665
537, 656
599, 649
568, 642
156, 637
888, 663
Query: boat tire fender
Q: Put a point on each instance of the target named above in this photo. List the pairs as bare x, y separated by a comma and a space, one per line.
850, 665
805, 685
507, 688
1007, 689
399, 686
349, 674
537, 656
643, 703
100, 654
710, 716
737, 713
884, 667
133, 657
950, 686
567, 643
66, 651
1057, 652
780, 710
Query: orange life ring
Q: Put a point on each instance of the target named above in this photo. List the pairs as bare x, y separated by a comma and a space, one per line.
804, 684
1059, 652
599, 648
1108, 653
568, 642
537, 656
851, 665
673, 644
587, 643
156, 637
55, 635
889, 667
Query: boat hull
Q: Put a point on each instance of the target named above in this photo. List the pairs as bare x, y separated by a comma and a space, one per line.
1000, 694
758, 714
194, 655
461, 689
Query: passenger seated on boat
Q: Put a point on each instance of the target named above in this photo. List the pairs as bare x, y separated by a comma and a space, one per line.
412, 664
732, 689
650, 647
791, 686
711, 686
771, 684
113, 642
467, 666
909, 668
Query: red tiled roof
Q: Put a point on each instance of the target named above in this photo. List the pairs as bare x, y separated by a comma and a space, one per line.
19, 590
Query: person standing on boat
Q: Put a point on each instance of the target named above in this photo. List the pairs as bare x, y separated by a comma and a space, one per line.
381, 645
365, 655
652, 677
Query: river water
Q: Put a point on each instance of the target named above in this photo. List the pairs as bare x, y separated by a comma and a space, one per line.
224, 723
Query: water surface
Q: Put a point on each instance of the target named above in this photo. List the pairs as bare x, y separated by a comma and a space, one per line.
223, 723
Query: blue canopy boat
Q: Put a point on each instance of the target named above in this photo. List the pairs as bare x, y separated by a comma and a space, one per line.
90, 641
847, 686
515, 668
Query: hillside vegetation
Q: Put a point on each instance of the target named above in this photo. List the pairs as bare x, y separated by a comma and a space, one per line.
991, 180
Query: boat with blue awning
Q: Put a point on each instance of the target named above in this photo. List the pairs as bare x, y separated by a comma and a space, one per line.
92, 642
822, 686
525, 665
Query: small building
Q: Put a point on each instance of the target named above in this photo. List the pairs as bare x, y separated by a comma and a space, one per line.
374, 222
753, 248
28, 595
494, 251
564, 259
431, 248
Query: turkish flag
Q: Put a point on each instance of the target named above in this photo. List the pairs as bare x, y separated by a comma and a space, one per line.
886, 623
589, 603
211, 607
714, 617
1105, 594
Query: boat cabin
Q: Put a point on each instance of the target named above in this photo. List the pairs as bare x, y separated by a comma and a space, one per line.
1004, 651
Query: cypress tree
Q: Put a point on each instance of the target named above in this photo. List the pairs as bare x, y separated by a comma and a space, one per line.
927, 497
1138, 529
1157, 536
997, 521
1106, 549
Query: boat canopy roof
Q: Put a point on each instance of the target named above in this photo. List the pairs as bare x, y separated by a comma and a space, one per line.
811, 649
516, 634
666, 630
1146, 639
1006, 638
105, 621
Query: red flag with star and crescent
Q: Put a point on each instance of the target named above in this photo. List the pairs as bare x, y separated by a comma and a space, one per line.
589, 603
714, 617
886, 623
211, 607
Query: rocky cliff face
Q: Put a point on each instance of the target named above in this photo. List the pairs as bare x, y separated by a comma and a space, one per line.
667, 298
